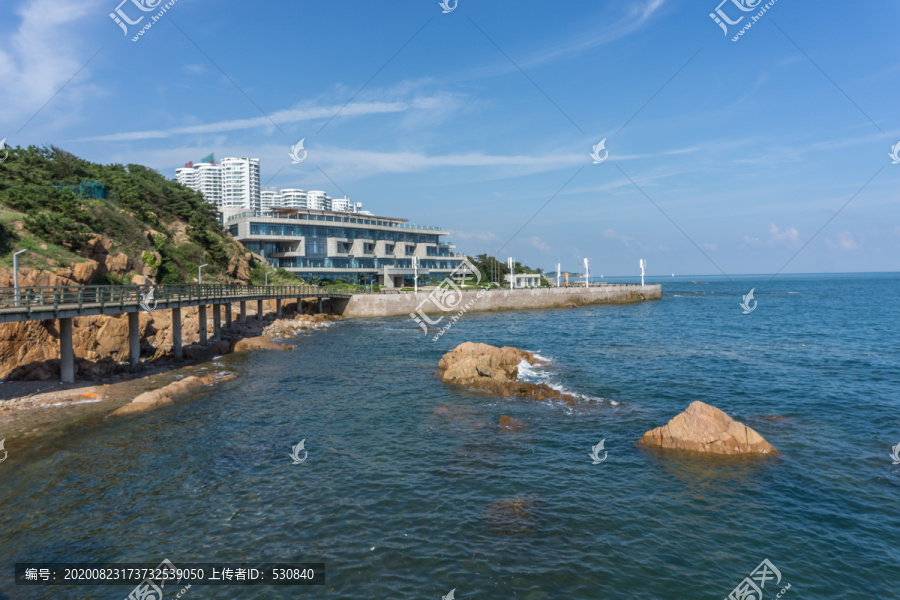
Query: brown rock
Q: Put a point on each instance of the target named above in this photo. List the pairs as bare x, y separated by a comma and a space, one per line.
257, 343
136, 407
511, 423
705, 428
495, 370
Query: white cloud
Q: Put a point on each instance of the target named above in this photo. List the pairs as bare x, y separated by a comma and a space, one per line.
537, 242
615, 235
38, 58
776, 236
845, 241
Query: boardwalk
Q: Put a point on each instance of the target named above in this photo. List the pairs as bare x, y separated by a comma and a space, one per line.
67, 302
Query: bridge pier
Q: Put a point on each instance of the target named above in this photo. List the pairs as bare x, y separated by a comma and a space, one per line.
320, 305
217, 322
228, 308
66, 352
259, 310
176, 333
201, 315
243, 311
134, 339
278, 308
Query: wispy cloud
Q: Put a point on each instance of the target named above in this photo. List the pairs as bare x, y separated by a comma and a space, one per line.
39, 57
789, 236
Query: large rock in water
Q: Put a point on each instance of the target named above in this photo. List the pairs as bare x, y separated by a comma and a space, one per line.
495, 370
705, 428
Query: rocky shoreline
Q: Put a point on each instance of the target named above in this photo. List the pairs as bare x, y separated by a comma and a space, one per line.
138, 392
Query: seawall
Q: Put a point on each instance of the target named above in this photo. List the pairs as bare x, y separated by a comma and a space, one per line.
385, 305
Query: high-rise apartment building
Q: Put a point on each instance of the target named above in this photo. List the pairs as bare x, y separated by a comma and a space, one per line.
269, 198
205, 178
293, 198
240, 185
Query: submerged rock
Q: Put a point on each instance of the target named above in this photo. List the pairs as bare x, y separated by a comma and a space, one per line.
511, 516
705, 428
495, 370
258, 343
511, 423
163, 396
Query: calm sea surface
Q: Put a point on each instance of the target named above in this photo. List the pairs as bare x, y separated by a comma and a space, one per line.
410, 489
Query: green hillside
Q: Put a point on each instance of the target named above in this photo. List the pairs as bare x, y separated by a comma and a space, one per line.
53, 203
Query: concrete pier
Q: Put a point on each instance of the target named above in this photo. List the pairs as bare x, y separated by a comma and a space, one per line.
259, 310
66, 351
243, 311
385, 305
228, 316
278, 308
217, 322
176, 333
134, 339
201, 316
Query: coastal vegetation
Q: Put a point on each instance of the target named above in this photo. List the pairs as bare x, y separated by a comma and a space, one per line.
57, 206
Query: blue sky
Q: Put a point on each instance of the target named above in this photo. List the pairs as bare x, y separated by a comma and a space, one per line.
749, 150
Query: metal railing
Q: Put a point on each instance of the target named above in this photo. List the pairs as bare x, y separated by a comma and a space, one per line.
31, 299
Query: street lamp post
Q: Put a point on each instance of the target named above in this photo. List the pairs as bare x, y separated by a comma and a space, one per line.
200, 273
16, 274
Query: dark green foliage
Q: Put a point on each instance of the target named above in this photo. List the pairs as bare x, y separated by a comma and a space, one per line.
7, 238
137, 199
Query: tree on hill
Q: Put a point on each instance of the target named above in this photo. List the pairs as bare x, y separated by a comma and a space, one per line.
43, 206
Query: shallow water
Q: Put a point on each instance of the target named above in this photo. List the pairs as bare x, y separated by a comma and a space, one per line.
410, 489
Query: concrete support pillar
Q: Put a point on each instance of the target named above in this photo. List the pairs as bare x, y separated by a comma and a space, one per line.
202, 318
278, 308
243, 311
176, 333
259, 309
134, 339
66, 352
228, 315
320, 305
217, 322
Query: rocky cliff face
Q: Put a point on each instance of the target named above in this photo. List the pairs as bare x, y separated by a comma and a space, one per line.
30, 350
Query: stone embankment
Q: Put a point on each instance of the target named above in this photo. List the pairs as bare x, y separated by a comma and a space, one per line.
386, 305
